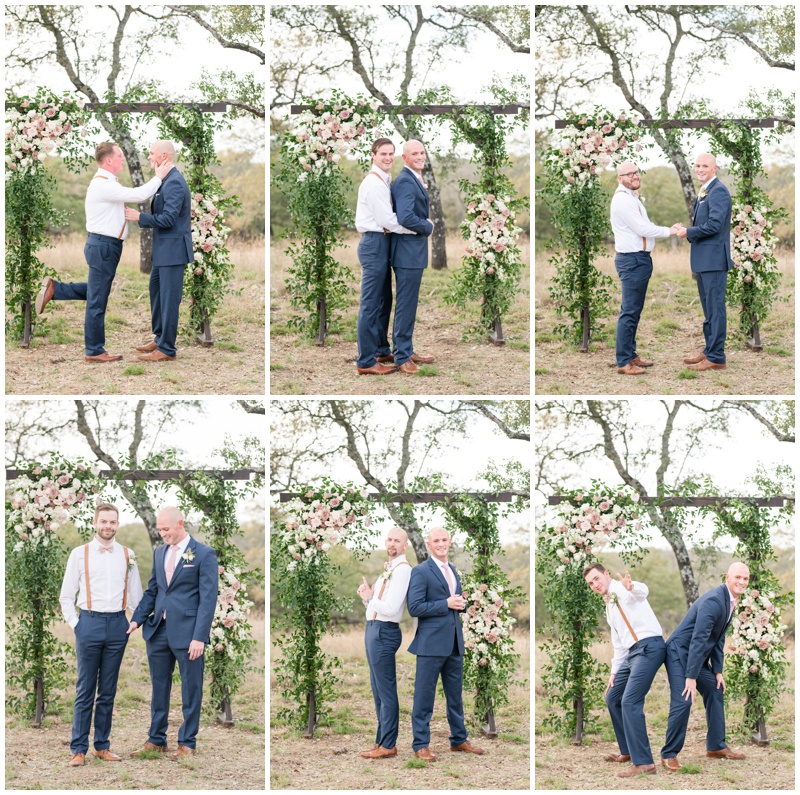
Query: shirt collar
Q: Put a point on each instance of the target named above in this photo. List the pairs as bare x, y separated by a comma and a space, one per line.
107, 174
399, 559
415, 174
184, 543
708, 184
97, 545
387, 178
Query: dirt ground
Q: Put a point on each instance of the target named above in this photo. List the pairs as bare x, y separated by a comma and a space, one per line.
670, 329
297, 366
330, 761
55, 365
226, 759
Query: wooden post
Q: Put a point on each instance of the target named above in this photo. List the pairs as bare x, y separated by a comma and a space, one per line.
26, 336
754, 341
584, 347
225, 714
496, 335
311, 700
577, 738
489, 728
204, 337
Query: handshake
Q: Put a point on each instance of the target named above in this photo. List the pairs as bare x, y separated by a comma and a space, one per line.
678, 229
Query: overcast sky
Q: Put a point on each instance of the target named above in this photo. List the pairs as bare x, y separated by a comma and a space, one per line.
460, 461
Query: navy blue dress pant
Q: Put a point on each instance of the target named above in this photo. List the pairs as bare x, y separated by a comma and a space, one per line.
382, 639
679, 707
162, 657
711, 286
407, 284
100, 641
376, 298
102, 255
634, 272
625, 700
429, 669
166, 291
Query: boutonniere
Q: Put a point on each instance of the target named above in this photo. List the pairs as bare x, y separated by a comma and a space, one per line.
188, 556
131, 560
703, 193
612, 599
388, 571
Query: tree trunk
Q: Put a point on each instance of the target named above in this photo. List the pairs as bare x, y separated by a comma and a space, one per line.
225, 714
489, 728
577, 738
311, 699
128, 147
438, 241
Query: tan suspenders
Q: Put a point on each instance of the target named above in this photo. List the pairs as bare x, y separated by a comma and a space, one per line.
383, 584
86, 568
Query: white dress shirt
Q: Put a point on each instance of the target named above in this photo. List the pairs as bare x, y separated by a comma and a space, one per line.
182, 544
106, 581
374, 211
390, 606
639, 614
703, 188
633, 230
105, 203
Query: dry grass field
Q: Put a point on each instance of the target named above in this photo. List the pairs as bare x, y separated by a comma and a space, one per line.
299, 367
562, 766
330, 760
670, 329
54, 364
226, 759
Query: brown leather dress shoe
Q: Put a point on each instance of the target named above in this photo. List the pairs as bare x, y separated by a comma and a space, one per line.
379, 753
148, 746
369, 750
706, 365
382, 359
408, 367
417, 358
156, 356
724, 753
107, 756
635, 770
376, 369
467, 747
639, 362
183, 751
671, 763
695, 359
630, 369
46, 294
79, 760
105, 357
618, 758
149, 348
425, 753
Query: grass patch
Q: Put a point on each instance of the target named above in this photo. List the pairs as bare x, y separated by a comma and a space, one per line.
427, 370
541, 371
134, 369
59, 332
776, 351
416, 762
519, 345
274, 367
665, 327
153, 753
691, 768
229, 346
687, 375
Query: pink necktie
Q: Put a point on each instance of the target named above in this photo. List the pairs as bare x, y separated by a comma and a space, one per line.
448, 575
171, 563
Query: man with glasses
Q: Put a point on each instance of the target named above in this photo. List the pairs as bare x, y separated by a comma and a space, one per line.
634, 239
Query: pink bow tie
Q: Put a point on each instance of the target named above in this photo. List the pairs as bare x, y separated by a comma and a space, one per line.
636, 193
106, 549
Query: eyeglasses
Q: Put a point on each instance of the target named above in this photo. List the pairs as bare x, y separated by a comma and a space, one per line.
631, 174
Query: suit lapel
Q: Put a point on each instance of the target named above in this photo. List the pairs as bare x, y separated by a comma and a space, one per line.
179, 564
438, 572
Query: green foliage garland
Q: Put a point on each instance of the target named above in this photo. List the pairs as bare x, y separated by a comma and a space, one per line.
36, 127
490, 661
325, 515
492, 269
315, 187
37, 504
589, 143
591, 520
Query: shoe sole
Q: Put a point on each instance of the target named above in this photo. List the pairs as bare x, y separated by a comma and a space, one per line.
40, 303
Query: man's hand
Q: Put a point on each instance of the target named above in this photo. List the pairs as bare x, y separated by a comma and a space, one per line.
720, 682
610, 683
627, 583
456, 602
164, 169
675, 229
690, 689
681, 232
196, 649
131, 215
132, 627
364, 591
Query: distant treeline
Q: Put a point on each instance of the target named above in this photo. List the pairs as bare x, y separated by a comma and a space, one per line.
663, 198
448, 172
515, 563
659, 572
238, 176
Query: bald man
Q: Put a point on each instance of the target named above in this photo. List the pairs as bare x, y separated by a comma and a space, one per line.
409, 256
634, 239
385, 603
170, 219
175, 613
694, 665
710, 237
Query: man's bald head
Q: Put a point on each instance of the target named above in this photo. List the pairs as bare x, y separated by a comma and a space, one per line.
164, 148
626, 167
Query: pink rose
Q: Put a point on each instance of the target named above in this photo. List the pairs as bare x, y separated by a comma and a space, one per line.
219, 647
748, 208
490, 197
483, 662
228, 621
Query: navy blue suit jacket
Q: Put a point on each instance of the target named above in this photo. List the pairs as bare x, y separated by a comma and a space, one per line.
410, 200
700, 637
190, 599
439, 627
710, 233
171, 221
